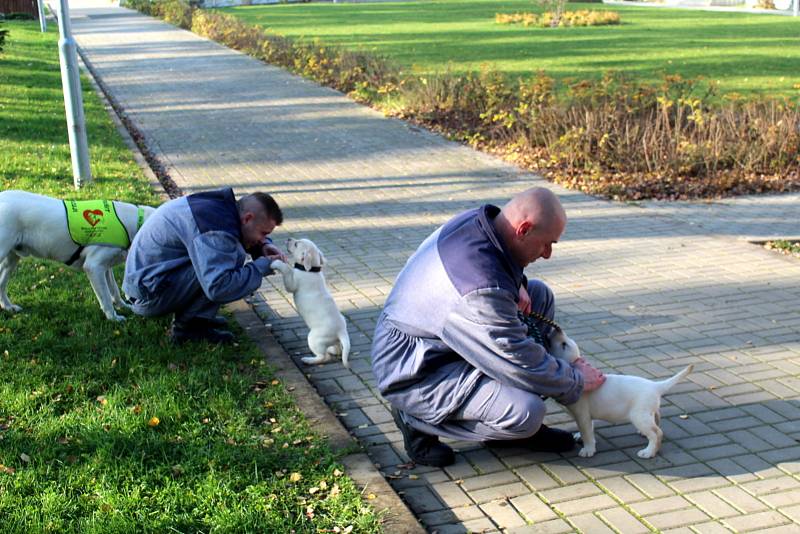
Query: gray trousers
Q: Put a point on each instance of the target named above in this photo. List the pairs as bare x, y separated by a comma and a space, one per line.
494, 411
181, 295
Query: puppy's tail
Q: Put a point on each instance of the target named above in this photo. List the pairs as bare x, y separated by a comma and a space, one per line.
669, 383
344, 340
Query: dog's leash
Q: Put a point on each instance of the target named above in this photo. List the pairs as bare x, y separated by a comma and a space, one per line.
530, 319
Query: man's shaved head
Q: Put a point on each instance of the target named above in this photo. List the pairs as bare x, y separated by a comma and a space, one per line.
537, 205
530, 223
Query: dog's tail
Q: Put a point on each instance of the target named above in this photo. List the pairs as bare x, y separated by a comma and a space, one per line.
344, 340
669, 383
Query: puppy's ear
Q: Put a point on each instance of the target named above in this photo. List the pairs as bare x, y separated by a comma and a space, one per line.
313, 258
308, 259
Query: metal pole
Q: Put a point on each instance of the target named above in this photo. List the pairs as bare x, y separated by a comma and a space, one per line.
42, 20
73, 102
796, 8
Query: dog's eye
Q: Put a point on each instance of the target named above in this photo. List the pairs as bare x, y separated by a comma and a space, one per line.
563, 344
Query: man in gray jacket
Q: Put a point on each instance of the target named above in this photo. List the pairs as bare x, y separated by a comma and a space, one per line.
189, 259
450, 352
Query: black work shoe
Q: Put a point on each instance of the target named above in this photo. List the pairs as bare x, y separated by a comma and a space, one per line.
182, 334
218, 321
422, 448
546, 439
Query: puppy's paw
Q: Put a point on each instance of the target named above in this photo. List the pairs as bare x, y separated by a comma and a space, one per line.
586, 452
646, 453
314, 360
278, 265
12, 308
116, 317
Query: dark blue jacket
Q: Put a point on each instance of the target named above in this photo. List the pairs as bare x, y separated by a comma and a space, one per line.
452, 317
202, 230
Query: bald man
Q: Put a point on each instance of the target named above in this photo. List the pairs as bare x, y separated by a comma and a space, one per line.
450, 352
189, 259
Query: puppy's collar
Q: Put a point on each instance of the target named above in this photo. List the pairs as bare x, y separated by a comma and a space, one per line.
311, 270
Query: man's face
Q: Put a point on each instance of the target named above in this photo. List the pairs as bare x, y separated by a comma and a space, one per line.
538, 242
255, 228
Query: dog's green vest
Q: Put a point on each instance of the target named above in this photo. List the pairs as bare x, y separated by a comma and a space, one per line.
95, 222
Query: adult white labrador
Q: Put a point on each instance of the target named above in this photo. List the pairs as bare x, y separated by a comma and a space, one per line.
37, 225
327, 336
620, 399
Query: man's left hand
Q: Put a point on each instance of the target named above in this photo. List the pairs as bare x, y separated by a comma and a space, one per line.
592, 378
524, 303
273, 253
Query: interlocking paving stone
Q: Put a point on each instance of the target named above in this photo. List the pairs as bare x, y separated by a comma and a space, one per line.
712, 505
623, 521
740, 499
757, 521
590, 523
503, 514
634, 285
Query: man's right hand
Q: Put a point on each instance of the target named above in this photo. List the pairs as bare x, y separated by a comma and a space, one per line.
592, 378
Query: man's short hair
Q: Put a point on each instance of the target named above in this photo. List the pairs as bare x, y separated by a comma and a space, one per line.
271, 208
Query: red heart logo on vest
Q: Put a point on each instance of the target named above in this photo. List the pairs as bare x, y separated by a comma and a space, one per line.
93, 216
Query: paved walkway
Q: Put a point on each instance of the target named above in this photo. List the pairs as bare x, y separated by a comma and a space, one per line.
644, 288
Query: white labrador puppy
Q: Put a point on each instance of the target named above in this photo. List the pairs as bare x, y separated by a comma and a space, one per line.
36, 225
620, 399
327, 336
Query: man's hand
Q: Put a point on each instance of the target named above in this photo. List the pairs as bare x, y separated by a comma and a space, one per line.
592, 378
273, 253
524, 303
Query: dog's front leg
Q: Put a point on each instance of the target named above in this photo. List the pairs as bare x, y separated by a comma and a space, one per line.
583, 417
7, 268
113, 288
288, 275
97, 277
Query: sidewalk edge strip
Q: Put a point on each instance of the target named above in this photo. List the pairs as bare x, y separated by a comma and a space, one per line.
397, 518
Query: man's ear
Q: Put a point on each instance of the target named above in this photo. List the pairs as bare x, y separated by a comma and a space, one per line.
247, 217
524, 228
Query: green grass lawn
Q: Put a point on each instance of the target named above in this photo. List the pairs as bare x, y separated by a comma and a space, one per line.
106, 427
746, 53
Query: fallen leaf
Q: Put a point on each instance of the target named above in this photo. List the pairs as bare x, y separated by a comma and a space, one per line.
25, 458
154, 421
295, 477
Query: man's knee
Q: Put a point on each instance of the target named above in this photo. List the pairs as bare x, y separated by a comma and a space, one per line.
521, 418
542, 299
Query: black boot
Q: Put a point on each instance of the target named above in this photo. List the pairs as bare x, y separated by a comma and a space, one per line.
546, 439
198, 330
422, 448
218, 321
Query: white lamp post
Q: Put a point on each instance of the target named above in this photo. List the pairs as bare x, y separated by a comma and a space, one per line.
71, 82
42, 21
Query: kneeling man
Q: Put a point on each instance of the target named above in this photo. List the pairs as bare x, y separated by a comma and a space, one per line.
450, 352
189, 259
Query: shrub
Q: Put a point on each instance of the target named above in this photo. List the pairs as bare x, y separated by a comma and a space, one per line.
555, 8
143, 6
176, 12
583, 17
3, 34
676, 139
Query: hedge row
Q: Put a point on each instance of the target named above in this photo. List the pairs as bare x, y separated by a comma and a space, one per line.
612, 136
